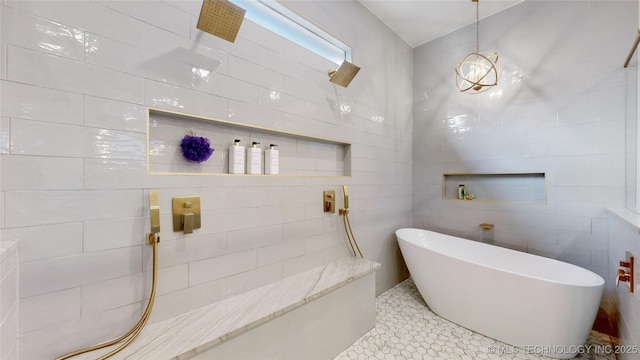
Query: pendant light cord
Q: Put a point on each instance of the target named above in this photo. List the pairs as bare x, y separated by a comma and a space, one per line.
477, 26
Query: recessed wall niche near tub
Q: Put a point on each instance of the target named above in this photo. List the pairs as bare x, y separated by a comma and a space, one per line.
300, 154
500, 187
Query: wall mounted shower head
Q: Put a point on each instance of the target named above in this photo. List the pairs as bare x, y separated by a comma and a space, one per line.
221, 18
344, 74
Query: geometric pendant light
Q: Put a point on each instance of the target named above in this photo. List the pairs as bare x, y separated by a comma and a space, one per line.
478, 71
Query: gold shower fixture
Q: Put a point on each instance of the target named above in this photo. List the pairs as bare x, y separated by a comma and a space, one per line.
633, 49
221, 18
486, 226
628, 274
343, 74
347, 224
478, 71
153, 238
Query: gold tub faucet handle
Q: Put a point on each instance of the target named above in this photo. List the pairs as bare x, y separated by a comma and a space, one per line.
628, 274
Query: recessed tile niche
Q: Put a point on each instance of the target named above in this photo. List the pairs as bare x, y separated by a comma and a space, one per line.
502, 187
300, 154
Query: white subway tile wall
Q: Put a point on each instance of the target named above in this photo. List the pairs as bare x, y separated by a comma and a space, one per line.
559, 109
77, 77
623, 238
9, 299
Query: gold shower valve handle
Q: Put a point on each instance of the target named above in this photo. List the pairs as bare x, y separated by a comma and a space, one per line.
622, 276
187, 223
186, 214
628, 275
187, 219
329, 201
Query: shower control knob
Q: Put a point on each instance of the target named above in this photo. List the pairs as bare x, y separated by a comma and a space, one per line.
622, 276
627, 273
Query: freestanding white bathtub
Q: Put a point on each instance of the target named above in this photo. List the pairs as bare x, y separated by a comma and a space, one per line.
537, 304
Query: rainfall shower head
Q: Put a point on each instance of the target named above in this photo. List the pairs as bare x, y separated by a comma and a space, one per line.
344, 74
220, 18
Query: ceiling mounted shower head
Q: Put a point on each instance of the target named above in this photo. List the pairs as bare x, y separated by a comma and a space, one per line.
220, 18
344, 74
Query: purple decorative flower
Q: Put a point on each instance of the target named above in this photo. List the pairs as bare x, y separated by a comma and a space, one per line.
195, 148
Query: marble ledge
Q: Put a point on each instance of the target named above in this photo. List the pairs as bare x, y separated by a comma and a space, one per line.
627, 216
197, 331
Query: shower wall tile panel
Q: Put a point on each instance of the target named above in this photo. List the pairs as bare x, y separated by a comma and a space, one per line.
47, 241
100, 174
51, 309
191, 249
254, 238
161, 15
178, 99
129, 59
41, 34
44, 276
560, 108
76, 80
42, 104
625, 306
116, 115
57, 139
33, 67
220, 267
248, 280
104, 295
40, 173
88, 16
255, 74
9, 268
94, 328
30, 208
113, 233
202, 57
5, 134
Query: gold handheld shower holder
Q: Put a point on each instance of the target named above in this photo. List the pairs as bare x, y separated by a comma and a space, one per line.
347, 224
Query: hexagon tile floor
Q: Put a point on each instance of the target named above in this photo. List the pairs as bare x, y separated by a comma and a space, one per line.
407, 329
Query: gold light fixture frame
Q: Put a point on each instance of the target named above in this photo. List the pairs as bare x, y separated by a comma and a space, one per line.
478, 71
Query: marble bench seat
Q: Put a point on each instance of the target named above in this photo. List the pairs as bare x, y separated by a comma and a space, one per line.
342, 293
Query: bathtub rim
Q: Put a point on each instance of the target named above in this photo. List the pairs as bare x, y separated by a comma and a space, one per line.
598, 281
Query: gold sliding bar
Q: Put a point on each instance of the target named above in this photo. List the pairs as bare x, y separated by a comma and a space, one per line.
633, 49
